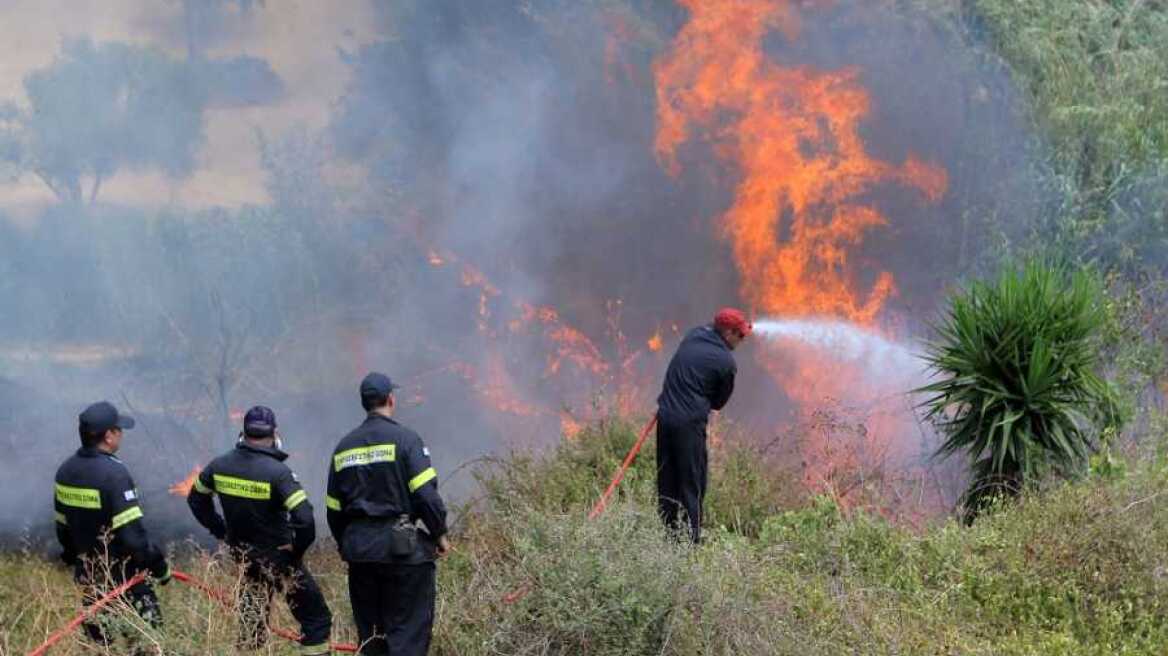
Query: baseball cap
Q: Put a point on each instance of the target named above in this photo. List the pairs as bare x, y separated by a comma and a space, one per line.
259, 421
376, 385
732, 319
102, 416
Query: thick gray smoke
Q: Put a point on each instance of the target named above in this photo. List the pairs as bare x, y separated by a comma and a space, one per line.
511, 137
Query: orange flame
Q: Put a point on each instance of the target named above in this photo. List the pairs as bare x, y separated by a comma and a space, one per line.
655, 342
800, 206
793, 133
182, 488
509, 393
569, 426
571, 344
497, 389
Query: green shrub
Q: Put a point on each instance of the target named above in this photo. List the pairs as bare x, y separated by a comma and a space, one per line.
1017, 387
1077, 568
574, 473
747, 488
1096, 71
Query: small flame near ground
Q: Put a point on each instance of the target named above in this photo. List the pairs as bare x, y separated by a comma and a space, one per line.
572, 357
569, 426
655, 342
182, 488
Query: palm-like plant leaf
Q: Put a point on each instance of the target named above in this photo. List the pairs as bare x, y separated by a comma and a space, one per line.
1015, 385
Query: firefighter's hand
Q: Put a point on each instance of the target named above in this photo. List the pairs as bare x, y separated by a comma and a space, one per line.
165, 577
288, 551
444, 546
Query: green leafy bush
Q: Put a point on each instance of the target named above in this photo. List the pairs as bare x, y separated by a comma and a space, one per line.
1017, 387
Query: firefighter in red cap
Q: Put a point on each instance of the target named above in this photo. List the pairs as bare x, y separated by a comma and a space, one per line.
700, 378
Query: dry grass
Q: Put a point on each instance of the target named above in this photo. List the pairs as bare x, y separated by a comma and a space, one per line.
1077, 569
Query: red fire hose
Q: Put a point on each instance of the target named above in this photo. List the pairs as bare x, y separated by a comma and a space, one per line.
87, 613
521, 592
225, 601
620, 472
213, 593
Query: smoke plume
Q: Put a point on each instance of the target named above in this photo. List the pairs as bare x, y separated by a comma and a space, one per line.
471, 197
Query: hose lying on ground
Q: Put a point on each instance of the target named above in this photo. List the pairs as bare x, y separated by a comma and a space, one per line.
225, 601
87, 613
215, 594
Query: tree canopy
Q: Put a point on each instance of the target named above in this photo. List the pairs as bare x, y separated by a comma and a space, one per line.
102, 108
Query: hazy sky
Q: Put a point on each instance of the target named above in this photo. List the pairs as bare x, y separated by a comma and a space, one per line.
299, 38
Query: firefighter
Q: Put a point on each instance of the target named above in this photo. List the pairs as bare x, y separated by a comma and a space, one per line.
700, 378
380, 484
267, 521
99, 522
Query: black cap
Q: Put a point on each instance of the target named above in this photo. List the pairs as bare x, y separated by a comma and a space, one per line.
102, 416
260, 421
376, 385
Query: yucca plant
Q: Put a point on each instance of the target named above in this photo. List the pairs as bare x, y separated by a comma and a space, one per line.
1016, 386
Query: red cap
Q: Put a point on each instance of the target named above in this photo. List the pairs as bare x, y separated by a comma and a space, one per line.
732, 319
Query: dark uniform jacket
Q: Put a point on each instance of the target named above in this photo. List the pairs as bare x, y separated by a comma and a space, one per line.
95, 498
700, 377
263, 504
378, 473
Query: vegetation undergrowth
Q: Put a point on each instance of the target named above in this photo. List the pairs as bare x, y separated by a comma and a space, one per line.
1073, 569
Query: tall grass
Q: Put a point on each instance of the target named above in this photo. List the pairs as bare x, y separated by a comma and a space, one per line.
1095, 77
1097, 71
1076, 569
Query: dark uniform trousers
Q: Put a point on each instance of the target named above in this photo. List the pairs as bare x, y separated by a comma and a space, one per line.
381, 483
681, 473
262, 579
103, 627
397, 597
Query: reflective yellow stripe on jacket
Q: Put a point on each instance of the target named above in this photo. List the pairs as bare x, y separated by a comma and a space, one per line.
79, 497
125, 517
426, 476
242, 487
332, 503
365, 455
202, 489
295, 499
